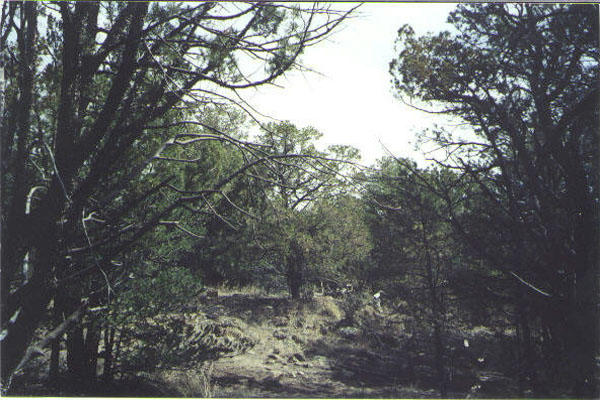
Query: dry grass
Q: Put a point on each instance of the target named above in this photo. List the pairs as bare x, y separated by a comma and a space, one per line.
295, 318
329, 308
206, 387
227, 290
191, 383
481, 331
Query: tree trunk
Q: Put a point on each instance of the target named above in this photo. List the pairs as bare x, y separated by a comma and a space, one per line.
76, 364
109, 340
438, 338
583, 304
54, 368
32, 299
439, 359
295, 268
58, 317
582, 336
92, 339
294, 282
117, 353
527, 373
436, 311
20, 333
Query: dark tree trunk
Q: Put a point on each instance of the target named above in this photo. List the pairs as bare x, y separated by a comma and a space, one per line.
527, 354
33, 298
439, 360
58, 317
14, 225
295, 270
20, 333
582, 336
92, 340
117, 352
109, 340
76, 363
583, 305
436, 311
54, 368
294, 283
438, 338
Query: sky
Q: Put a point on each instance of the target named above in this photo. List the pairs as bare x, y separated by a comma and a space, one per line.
351, 100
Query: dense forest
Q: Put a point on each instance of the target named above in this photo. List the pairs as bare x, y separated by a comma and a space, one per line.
161, 238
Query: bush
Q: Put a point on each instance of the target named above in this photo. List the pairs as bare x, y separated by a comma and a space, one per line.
351, 303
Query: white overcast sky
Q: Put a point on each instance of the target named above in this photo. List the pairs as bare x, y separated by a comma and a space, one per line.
352, 101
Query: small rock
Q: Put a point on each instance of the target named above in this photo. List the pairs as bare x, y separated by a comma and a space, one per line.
297, 339
347, 374
275, 351
296, 357
349, 332
272, 380
279, 335
323, 330
320, 360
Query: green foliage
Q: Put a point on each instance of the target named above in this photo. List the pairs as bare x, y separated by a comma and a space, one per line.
408, 221
343, 241
117, 122
524, 78
294, 211
302, 226
150, 289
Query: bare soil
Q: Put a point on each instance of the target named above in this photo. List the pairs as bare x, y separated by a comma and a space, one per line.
269, 347
301, 349
301, 353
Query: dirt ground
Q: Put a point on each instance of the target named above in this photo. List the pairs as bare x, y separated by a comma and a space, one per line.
300, 351
305, 349
269, 346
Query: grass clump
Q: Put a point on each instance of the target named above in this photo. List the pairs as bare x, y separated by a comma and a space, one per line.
191, 383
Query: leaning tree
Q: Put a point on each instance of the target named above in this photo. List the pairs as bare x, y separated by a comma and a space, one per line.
92, 96
524, 78
289, 228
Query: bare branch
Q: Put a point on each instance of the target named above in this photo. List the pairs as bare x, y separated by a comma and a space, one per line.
177, 225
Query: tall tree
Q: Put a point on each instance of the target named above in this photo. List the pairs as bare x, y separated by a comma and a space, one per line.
413, 246
525, 79
91, 91
298, 182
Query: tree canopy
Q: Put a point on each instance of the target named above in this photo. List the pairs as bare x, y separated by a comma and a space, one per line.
524, 77
137, 183
97, 95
